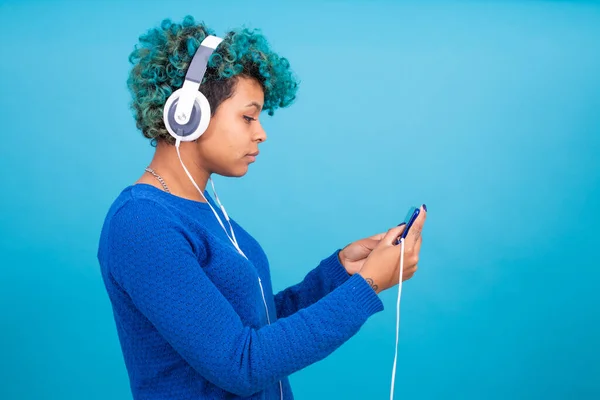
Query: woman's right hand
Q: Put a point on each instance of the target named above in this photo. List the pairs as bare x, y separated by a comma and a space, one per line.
382, 268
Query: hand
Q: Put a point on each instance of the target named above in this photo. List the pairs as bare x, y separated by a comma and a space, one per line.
382, 267
354, 255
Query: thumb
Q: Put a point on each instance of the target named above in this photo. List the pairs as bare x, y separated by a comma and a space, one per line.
390, 237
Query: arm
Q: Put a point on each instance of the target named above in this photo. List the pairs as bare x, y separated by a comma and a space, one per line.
171, 289
327, 276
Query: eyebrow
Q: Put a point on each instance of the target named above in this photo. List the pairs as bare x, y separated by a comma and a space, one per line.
254, 104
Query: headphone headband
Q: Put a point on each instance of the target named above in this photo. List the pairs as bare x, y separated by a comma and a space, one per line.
199, 63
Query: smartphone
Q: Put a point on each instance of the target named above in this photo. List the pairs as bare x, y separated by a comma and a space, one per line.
410, 218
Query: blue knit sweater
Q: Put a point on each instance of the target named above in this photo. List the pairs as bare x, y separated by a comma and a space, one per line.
189, 310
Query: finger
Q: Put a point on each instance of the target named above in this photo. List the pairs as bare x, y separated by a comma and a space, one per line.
415, 230
378, 236
417, 227
390, 237
417, 247
407, 276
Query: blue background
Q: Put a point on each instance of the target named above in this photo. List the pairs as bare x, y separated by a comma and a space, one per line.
488, 112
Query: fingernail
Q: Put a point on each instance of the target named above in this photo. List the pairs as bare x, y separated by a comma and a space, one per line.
403, 223
425, 207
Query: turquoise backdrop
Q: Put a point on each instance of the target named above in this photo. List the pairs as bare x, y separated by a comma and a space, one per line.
488, 112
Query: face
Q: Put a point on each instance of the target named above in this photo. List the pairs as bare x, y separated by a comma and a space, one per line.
230, 143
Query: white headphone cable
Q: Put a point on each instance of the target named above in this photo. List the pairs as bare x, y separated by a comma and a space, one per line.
208, 202
397, 317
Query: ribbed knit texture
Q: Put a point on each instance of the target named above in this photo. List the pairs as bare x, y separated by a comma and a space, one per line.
189, 311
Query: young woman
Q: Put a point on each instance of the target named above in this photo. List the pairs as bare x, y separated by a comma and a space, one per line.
190, 289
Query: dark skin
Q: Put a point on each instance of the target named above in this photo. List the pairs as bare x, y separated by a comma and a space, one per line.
235, 132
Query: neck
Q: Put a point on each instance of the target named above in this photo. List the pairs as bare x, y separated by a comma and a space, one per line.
166, 163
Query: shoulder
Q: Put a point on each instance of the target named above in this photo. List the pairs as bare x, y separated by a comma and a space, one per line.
140, 230
136, 209
137, 220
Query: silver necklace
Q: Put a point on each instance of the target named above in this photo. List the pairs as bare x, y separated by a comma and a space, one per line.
160, 179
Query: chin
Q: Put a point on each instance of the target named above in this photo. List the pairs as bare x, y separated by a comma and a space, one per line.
242, 172
237, 173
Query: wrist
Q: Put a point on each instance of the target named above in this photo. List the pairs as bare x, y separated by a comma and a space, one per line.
341, 259
373, 282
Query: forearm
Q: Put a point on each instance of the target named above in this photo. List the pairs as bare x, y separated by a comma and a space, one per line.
293, 343
320, 281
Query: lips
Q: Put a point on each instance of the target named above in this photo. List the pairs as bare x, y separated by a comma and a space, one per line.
252, 156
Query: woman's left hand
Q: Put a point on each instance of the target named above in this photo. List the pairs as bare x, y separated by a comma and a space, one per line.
353, 256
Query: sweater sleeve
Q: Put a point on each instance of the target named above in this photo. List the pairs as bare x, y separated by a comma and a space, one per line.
327, 276
155, 263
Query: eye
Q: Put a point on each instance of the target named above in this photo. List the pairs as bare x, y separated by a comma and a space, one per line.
249, 119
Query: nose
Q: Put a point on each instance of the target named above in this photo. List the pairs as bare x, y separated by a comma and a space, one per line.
260, 134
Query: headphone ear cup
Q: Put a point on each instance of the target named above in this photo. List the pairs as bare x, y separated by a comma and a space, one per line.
198, 122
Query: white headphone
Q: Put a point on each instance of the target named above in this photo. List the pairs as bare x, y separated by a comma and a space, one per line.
187, 113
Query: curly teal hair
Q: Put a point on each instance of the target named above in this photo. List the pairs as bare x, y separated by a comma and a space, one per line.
161, 59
